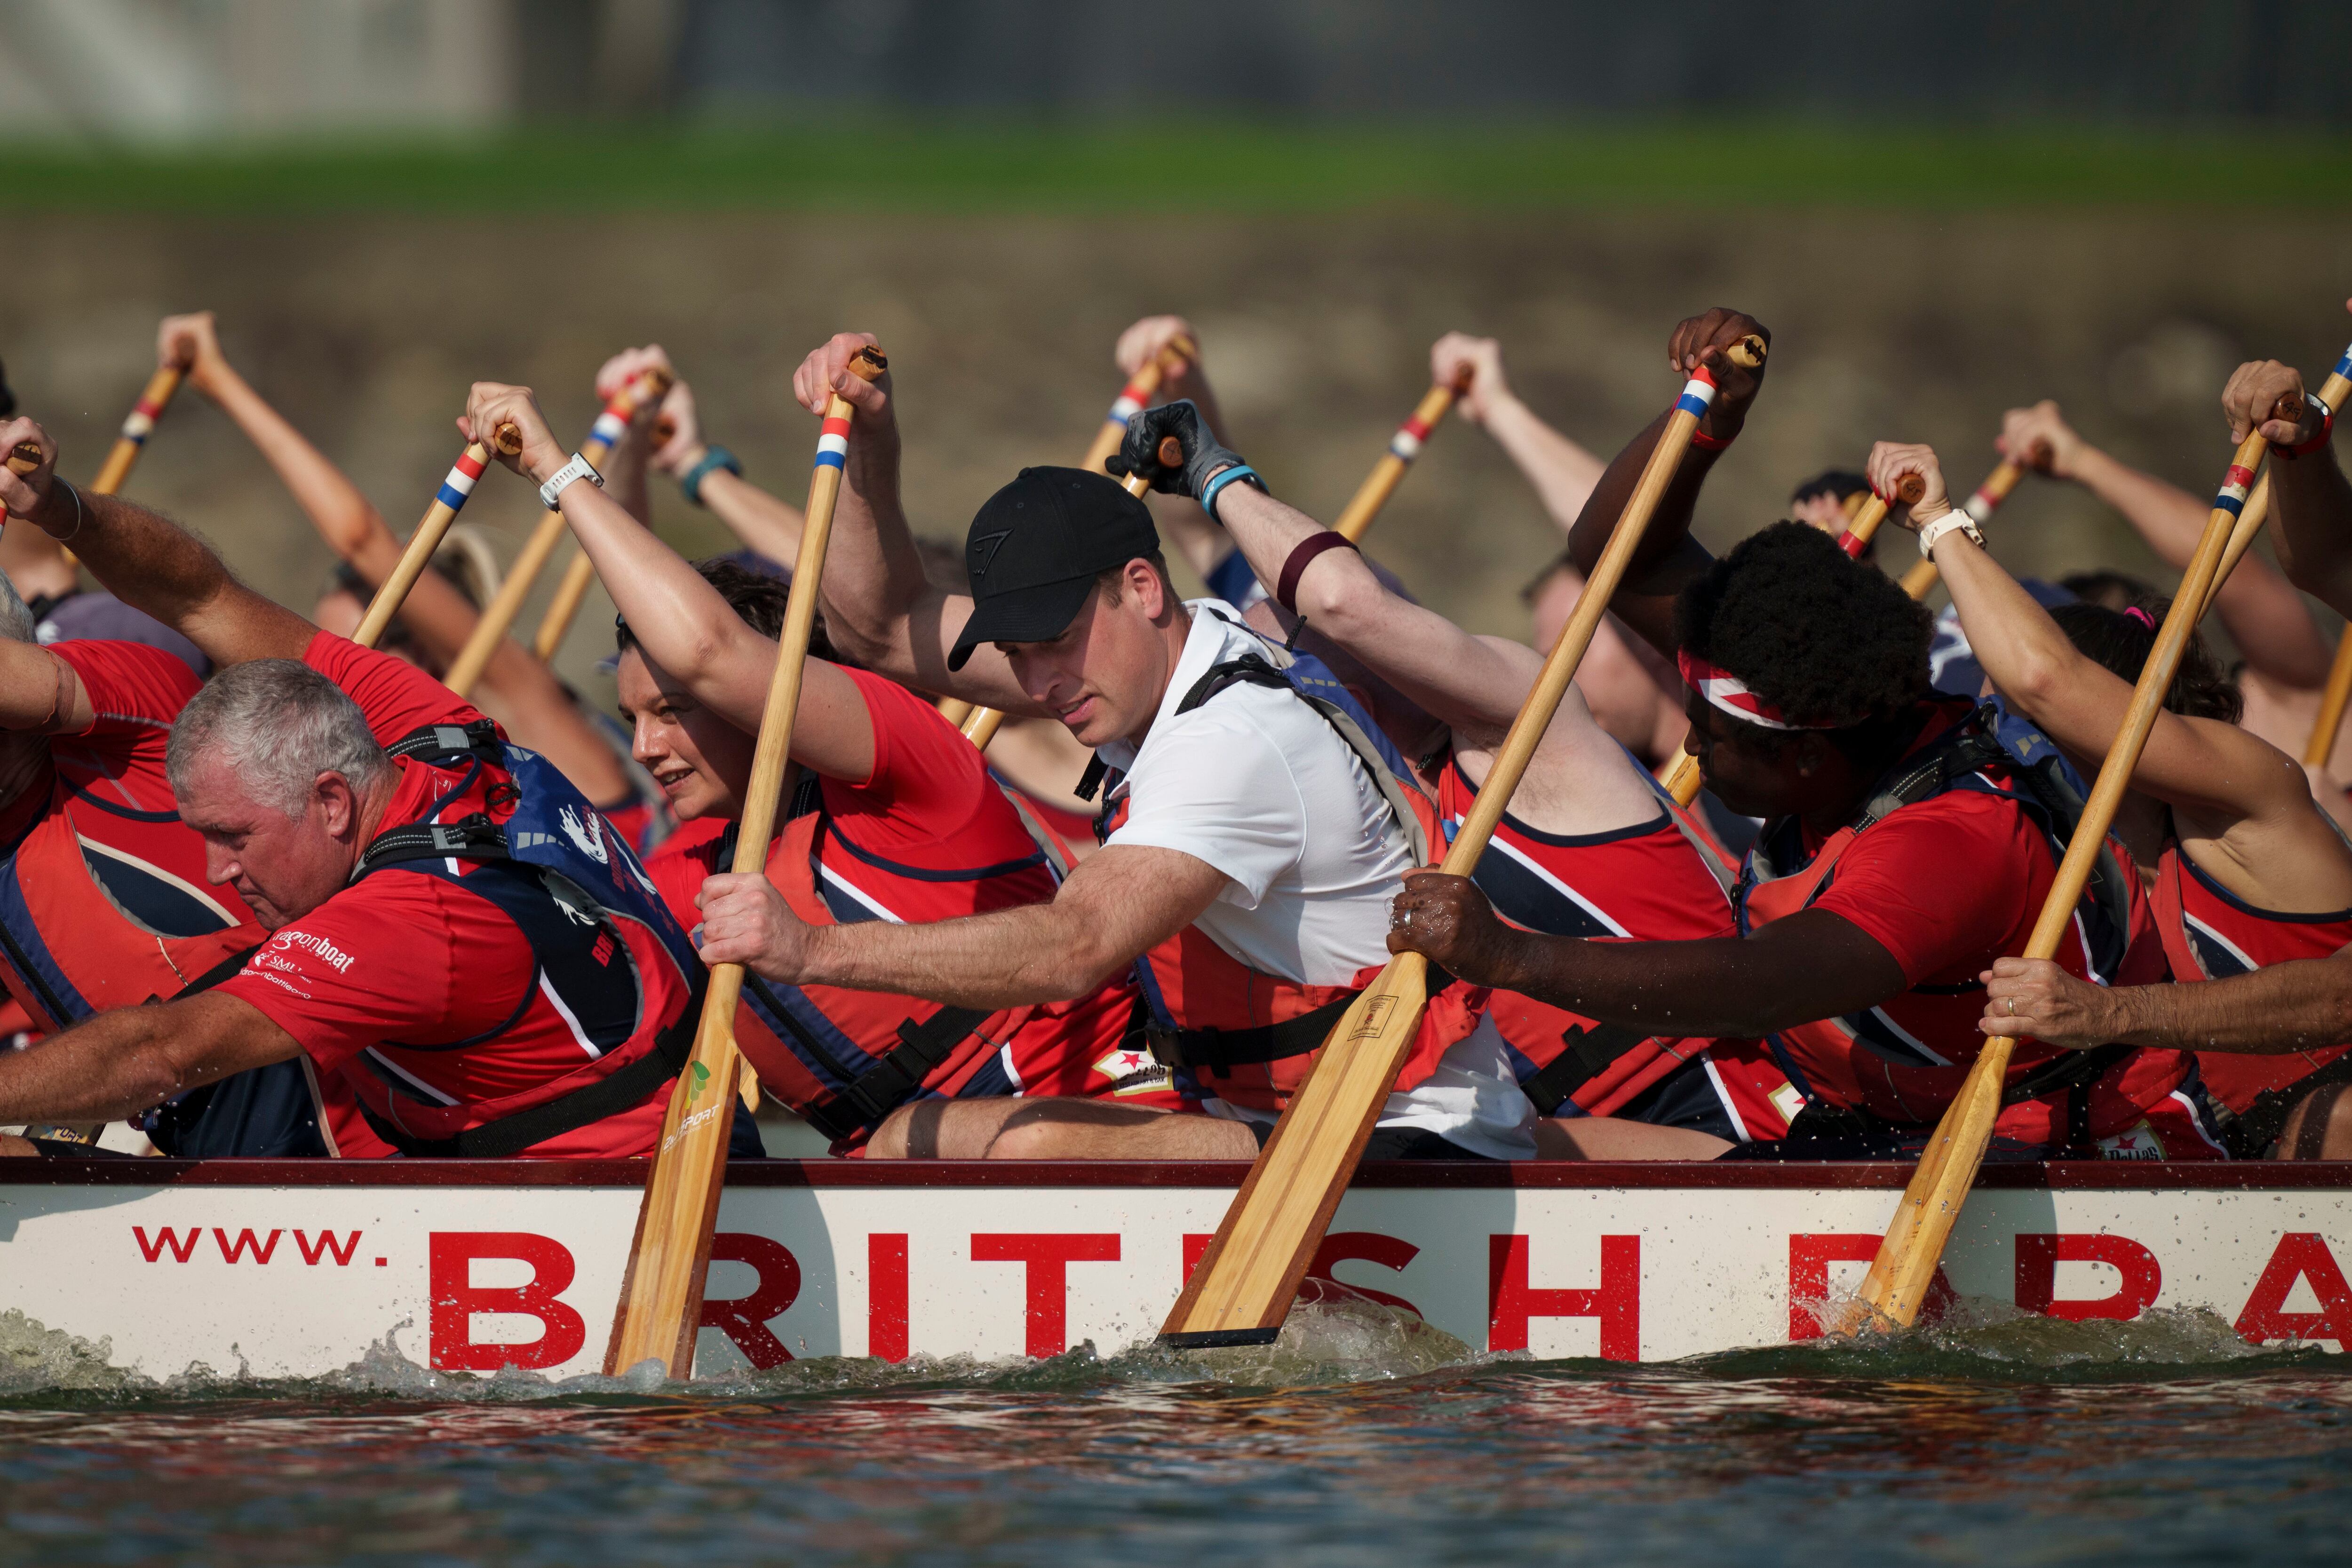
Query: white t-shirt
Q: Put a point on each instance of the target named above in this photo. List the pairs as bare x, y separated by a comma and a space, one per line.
1256, 783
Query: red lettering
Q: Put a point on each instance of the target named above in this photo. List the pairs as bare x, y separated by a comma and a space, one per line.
2039, 1255
260, 1249
885, 1297
1341, 1247
744, 1318
313, 1250
1511, 1302
1810, 1257
2300, 1255
1048, 1256
165, 1238
455, 1299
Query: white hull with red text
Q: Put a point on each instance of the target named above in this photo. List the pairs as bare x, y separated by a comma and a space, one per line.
302, 1268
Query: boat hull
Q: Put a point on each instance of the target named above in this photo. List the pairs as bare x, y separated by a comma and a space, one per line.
279, 1268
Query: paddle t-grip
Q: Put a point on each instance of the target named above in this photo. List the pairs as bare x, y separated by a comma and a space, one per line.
507, 438
26, 457
1909, 489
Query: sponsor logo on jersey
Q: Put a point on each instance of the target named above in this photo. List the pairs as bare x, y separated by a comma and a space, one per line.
2139, 1142
318, 947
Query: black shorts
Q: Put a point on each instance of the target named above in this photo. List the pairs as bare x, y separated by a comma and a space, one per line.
1393, 1143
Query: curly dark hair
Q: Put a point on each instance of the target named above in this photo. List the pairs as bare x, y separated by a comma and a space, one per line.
758, 598
2119, 641
1815, 633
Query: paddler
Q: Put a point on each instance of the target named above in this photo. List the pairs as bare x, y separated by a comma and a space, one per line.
452, 930
2287, 1007
890, 817
1907, 847
1252, 837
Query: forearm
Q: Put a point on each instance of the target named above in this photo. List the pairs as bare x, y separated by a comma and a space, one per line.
1040, 953
2302, 1005
152, 565
115, 1065
352, 528
766, 524
1563, 472
1668, 556
1717, 987
2312, 503
2028, 658
625, 475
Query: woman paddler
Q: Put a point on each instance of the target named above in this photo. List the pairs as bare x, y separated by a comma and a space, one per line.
1906, 848
891, 816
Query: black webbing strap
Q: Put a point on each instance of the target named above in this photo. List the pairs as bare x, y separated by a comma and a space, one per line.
608, 1096
474, 838
218, 973
2076, 1070
895, 1075
479, 739
1591, 1052
1220, 1049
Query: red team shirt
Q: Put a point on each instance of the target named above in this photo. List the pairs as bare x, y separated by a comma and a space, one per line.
928, 808
414, 959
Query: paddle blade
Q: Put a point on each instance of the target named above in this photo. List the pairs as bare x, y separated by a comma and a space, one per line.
1897, 1283
1243, 1286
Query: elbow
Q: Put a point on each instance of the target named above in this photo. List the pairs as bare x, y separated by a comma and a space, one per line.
1080, 965
2034, 680
860, 640
1342, 601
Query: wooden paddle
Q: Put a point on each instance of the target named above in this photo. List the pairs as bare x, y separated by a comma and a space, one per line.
448, 501
502, 609
1244, 1284
1921, 579
605, 434
1913, 1246
661, 1298
1404, 448
1682, 780
955, 710
980, 724
1172, 357
136, 428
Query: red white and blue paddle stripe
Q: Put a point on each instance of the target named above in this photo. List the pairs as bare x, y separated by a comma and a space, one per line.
833, 442
613, 424
1405, 445
1129, 403
142, 422
2234, 486
460, 482
2344, 365
1698, 394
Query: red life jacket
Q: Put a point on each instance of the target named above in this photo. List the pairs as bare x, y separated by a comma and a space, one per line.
86, 930
1659, 881
1248, 1038
614, 968
1905, 1071
844, 1060
2210, 934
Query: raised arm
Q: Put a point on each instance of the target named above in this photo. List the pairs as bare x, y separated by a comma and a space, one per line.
2308, 493
764, 524
2266, 617
681, 621
1563, 472
1669, 557
1202, 544
149, 563
880, 608
2199, 765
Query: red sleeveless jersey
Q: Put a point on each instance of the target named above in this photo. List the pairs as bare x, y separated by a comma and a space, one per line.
1650, 882
928, 835
2209, 933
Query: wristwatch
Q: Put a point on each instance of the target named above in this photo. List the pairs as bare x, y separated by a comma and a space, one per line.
579, 468
1954, 518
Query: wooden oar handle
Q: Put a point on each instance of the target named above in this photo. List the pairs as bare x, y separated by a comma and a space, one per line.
1864, 526
26, 457
507, 438
1404, 445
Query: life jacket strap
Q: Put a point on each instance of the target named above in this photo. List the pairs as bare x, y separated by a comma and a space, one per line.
1591, 1052
1221, 1049
609, 1096
896, 1075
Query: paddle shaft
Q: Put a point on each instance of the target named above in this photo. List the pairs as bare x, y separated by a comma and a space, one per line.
1404, 448
150, 407
661, 1300
1244, 1284
980, 724
1169, 360
1682, 780
447, 503
1907, 1258
503, 607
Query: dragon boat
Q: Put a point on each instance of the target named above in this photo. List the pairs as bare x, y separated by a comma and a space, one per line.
289, 1268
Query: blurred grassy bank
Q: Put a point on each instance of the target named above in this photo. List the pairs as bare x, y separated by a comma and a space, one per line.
1222, 168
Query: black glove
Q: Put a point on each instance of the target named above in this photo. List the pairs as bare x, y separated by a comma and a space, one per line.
1140, 453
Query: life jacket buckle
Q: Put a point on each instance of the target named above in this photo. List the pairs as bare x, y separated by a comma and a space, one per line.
1165, 1043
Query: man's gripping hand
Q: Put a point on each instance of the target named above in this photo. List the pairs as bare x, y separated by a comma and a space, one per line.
191, 343
826, 372
492, 404
24, 495
1448, 921
2033, 997
1139, 452
2254, 391
1702, 340
745, 920
1458, 356
2040, 438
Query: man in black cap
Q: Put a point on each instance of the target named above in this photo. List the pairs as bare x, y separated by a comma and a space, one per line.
1252, 838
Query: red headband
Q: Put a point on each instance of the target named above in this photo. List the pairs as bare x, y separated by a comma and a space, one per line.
1729, 692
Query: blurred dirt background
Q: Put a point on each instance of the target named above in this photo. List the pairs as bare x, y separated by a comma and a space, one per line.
365, 331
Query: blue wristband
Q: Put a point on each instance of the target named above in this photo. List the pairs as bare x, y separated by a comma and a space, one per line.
690, 483
1216, 488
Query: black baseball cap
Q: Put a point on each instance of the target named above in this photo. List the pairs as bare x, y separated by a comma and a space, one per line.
1036, 548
